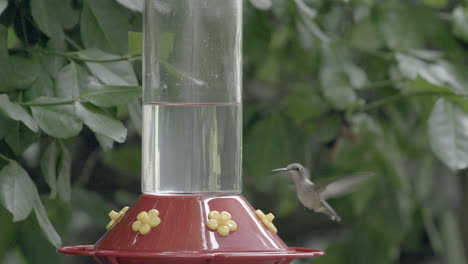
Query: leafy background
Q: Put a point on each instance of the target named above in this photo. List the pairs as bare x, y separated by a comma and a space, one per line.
341, 86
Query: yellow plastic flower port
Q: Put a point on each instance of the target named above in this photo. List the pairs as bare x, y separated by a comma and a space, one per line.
116, 217
267, 220
145, 221
221, 222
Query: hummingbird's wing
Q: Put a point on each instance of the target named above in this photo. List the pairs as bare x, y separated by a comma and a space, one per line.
341, 187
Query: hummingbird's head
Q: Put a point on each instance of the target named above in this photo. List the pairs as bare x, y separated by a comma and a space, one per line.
296, 171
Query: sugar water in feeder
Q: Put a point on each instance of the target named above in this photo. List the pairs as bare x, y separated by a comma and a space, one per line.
192, 148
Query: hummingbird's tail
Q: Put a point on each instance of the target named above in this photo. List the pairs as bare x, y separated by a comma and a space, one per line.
336, 218
330, 212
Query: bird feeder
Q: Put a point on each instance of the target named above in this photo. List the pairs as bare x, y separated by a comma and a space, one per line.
191, 209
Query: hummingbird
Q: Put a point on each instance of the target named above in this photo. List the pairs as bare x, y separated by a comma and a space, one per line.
313, 196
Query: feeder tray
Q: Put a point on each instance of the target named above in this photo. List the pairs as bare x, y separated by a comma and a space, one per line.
183, 235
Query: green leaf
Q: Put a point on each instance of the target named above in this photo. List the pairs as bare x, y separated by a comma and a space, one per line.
329, 129
315, 30
103, 26
16, 112
33, 245
13, 40
5, 72
19, 195
73, 79
424, 178
83, 200
135, 111
24, 72
45, 14
112, 95
43, 86
431, 229
306, 10
135, 5
409, 66
119, 73
364, 35
67, 15
3, 44
5, 126
3, 5
59, 121
45, 223
64, 174
135, 43
69, 81
453, 240
399, 29
165, 45
440, 73
126, 159
443, 77
448, 134
424, 54
461, 101
336, 88
262, 146
105, 142
17, 191
422, 85
435, 3
56, 168
262, 4
101, 123
49, 166
50, 63
460, 22
356, 75
445, 73
19, 138
7, 233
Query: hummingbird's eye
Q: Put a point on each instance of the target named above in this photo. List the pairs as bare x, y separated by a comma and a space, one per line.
296, 169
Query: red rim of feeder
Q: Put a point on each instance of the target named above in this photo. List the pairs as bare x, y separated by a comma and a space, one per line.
90, 251
183, 233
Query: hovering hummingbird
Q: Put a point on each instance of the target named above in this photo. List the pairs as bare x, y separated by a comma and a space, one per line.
313, 196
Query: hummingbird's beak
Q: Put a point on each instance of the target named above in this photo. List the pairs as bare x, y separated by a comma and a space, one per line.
281, 169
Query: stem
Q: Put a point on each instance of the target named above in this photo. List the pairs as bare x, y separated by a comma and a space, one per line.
398, 96
381, 84
87, 170
74, 56
72, 43
381, 55
3, 157
124, 58
23, 29
52, 103
445, 16
382, 102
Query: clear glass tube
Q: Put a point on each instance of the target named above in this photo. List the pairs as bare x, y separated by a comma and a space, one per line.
192, 114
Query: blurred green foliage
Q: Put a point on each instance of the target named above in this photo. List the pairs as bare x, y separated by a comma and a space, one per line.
341, 86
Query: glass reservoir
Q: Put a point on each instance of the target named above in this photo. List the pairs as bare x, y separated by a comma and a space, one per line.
192, 113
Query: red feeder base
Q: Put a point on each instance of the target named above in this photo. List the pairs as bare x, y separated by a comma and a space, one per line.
183, 235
